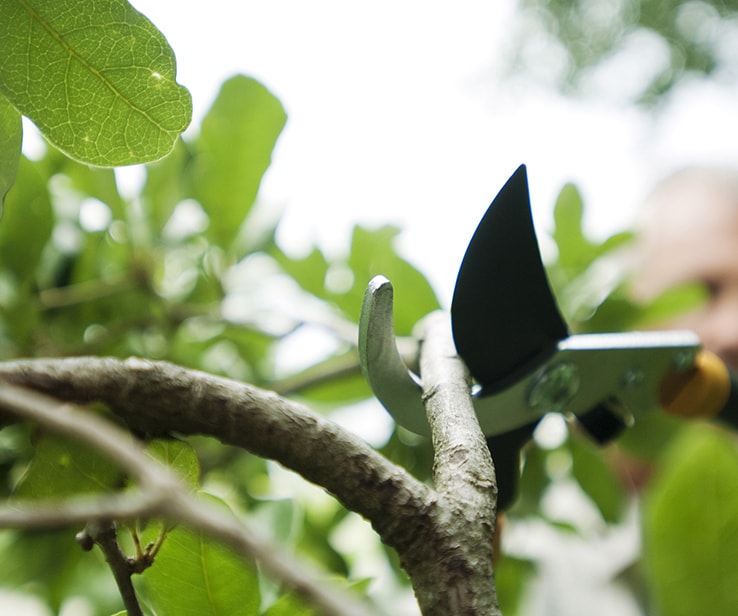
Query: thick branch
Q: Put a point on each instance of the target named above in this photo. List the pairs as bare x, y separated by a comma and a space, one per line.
157, 397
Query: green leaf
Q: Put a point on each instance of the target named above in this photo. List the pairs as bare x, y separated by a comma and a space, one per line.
672, 303
308, 271
233, 152
167, 183
98, 79
534, 480
290, 605
575, 250
691, 526
511, 578
51, 565
11, 137
180, 457
194, 575
64, 467
27, 222
597, 479
372, 253
89, 181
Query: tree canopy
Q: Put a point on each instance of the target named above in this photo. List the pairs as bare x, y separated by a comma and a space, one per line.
584, 47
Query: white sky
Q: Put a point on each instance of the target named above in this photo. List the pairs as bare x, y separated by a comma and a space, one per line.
396, 116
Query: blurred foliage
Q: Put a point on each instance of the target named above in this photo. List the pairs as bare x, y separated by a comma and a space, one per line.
691, 525
634, 49
684, 472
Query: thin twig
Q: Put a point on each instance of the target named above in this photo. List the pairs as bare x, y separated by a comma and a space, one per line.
106, 536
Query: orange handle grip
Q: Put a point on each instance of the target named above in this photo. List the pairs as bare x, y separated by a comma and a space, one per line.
700, 391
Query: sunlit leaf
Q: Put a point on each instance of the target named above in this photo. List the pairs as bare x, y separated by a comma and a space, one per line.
309, 271
180, 457
64, 467
98, 81
194, 574
27, 222
233, 151
11, 137
372, 253
691, 526
575, 250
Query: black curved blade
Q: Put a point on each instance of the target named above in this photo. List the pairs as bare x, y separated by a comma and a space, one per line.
503, 313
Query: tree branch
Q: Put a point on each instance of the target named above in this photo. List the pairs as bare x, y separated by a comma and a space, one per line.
158, 397
453, 570
443, 537
106, 536
162, 496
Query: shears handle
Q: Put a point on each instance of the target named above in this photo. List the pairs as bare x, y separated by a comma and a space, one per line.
706, 390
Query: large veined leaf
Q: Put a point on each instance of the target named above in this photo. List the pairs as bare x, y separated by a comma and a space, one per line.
11, 133
97, 78
691, 526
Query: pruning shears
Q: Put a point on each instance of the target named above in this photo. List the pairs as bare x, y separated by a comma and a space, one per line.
510, 333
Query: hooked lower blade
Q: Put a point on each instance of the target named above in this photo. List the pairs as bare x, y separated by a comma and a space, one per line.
503, 314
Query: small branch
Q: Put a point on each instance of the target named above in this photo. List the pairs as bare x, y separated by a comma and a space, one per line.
462, 463
168, 498
38, 515
106, 536
453, 571
340, 367
83, 292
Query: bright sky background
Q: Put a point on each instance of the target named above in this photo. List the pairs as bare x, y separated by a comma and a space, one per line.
397, 115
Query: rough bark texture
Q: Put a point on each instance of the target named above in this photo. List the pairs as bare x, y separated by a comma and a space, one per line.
452, 567
443, 536
158, 397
